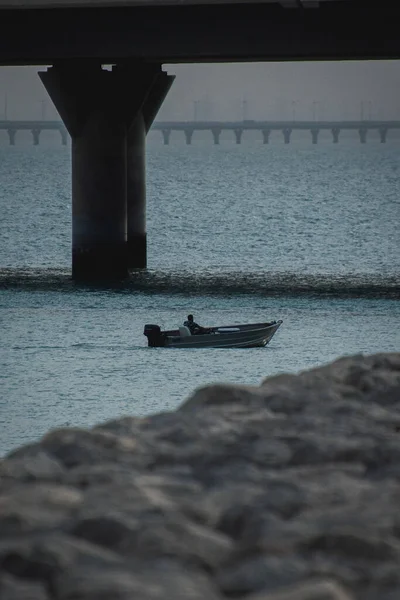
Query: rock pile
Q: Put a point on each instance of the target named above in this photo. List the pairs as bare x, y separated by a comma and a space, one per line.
286, 491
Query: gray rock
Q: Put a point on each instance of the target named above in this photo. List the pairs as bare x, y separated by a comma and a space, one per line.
219, 395
31, 467
12, 589
106, 584
27, 508
184, 540
43, 556
164, 581
354, 544
323, 590
100, 474
261, 572
74, 447
241, 491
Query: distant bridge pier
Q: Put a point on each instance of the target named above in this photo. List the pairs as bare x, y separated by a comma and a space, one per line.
11, 136
238, 135
99, 107
266, 133
335, 134
362, 132
188, 135
64, 137
36, 135
286, 135
216, 132
166, 133
314, 135
383, 134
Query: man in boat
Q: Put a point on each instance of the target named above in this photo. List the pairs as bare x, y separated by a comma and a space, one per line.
194, 328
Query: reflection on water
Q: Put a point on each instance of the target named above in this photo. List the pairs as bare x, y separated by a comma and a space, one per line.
203, 282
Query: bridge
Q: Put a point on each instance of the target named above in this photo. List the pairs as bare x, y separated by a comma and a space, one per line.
38, 32
108, 113
217, 127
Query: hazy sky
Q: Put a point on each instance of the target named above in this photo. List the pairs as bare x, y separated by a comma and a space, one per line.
246, 90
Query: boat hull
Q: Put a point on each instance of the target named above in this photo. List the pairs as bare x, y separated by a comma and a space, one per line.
239, 336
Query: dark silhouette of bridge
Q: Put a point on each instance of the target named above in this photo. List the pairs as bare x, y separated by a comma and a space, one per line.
108, 113
217, 127
176, 31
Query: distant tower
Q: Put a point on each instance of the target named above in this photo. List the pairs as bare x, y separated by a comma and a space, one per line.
244, 109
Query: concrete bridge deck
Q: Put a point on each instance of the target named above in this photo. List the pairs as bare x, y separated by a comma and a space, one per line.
169, 31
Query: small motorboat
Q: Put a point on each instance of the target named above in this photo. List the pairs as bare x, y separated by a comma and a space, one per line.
252, 335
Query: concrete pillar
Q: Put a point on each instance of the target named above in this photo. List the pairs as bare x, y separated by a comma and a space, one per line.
98, 107
64, 137
363, 134
266, 133
155, 97
216, 132
238, 135
136, 194
166, 133
35, 135
314, 135
286, 135
382, 134
136, 169
11, 136
99, 230
188, 135
335, 134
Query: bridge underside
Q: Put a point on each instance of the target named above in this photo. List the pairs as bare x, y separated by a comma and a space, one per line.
202, 32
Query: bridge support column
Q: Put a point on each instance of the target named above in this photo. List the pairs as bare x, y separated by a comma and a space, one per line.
335, 134
188, 135
36, 135
166, 133
383, 134
266, 133
136, 194
64, 137
314, 135
216, 132
238, 135
136, 171
98, 108
11, 136
286, 135
363, 134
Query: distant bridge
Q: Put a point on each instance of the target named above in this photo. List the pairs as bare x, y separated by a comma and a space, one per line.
216, 128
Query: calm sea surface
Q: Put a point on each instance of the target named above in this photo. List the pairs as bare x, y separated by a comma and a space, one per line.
307, 234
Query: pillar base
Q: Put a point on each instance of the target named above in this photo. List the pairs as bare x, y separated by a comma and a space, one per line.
137, 251
100, 262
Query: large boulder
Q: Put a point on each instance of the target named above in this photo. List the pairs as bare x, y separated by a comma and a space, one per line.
285, 491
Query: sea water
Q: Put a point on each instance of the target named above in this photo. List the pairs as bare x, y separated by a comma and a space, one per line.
236, 234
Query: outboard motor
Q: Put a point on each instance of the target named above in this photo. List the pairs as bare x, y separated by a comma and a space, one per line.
154, 335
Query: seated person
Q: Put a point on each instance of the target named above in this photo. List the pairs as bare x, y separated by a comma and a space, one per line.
194, 328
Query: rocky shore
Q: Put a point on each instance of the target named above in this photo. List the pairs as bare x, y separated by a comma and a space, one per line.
286, 491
